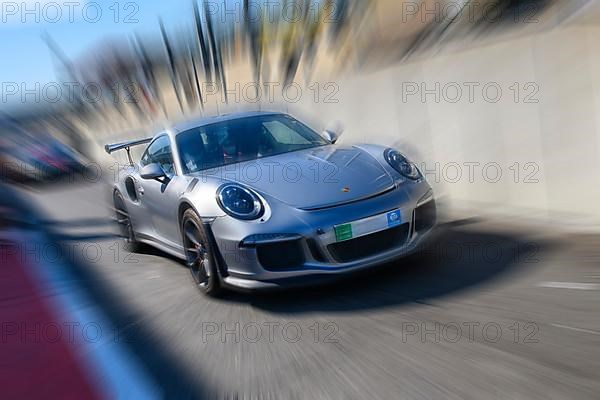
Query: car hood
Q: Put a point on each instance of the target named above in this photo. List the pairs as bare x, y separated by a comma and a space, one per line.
313, 178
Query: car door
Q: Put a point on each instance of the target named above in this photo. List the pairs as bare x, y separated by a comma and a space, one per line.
160, 197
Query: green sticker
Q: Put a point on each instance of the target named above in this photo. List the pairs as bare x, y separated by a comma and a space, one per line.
343, 232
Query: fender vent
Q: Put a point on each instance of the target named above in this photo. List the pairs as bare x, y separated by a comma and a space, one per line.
130, 187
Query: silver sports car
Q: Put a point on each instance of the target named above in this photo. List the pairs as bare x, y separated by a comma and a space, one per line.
260, 200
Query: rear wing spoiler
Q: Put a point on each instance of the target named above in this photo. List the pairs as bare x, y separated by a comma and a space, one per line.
110, 148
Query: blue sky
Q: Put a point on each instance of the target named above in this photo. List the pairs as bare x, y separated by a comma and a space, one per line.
78, 26
25, 56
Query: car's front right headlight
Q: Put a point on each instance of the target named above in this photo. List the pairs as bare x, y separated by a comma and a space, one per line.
402, 164
239, 202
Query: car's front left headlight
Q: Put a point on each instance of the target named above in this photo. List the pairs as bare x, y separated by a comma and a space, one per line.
402, 164
239, 202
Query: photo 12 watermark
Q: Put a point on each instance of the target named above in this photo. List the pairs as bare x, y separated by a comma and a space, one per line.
469, 92
427, 12
490, 172
54, 12
80, 249
469, 331
271, 11
268, 332
477, 251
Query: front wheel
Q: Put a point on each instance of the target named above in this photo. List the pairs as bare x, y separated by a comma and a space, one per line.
199, 254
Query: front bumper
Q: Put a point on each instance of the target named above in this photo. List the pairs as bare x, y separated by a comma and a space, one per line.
317, 257
316, 276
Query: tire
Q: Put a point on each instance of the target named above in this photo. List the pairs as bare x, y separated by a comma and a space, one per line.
200, 254
124, 222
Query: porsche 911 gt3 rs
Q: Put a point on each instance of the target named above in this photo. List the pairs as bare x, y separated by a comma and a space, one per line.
260, 200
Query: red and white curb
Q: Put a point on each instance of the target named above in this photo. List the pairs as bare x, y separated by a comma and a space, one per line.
55, 342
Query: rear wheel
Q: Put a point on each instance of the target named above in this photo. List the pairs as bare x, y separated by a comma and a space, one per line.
199, 254
124, 223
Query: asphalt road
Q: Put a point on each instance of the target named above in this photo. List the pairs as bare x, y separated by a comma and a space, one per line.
494, 310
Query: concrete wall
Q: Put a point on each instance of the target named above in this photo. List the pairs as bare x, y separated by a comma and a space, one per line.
552, 134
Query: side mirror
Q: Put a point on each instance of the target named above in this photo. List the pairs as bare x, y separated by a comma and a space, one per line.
152, 171
331, 136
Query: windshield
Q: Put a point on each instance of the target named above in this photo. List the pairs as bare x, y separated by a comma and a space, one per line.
243, 139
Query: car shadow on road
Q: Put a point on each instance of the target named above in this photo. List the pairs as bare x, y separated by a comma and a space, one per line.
460, 258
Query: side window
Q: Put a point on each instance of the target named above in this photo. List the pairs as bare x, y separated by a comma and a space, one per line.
159, 152
145, 158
